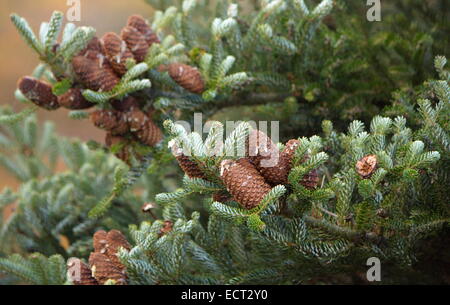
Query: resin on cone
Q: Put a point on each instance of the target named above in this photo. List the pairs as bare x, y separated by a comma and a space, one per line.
136, 42
117, 52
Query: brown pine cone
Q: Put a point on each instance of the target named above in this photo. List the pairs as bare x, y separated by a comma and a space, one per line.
116, 240
290, 148
126, 105
310, 180
39, 92
110, 120
136, 42
97, 75
222, 197
280, 173
79, 273
244, 182
137, 119
103, 269
93, 49
259, 147
367, 166
116, 51
74, 99
187, 77
99, 241
266, 157
143, 128
188, 166
150, 135
139, 23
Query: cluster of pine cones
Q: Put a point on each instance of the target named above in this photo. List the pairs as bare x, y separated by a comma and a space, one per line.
104, 265
249, 179
99, 67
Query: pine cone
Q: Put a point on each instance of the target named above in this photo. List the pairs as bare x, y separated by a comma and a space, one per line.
126, 105
139, 23
290, 148
150, 135
116, 240
99, 241
285, 164
137, 120
116, 51
93, 49
222, 197
188, 166
187, 77
103, 269
79, 273
74, 99
367, 166
96, 74
136, 42
244, 182
266, 157
110, 120
310, 180
259, 147
39, 92
143, 128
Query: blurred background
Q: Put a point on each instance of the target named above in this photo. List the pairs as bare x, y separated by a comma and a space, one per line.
17, 59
